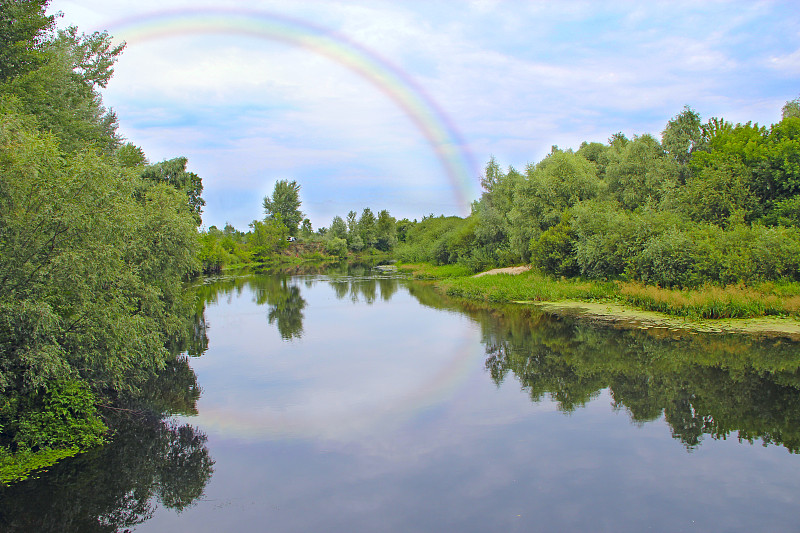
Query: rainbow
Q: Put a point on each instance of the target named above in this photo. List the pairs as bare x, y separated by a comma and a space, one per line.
267, 423
431, 121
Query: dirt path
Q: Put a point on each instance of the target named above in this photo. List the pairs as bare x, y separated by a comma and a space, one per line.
507, 270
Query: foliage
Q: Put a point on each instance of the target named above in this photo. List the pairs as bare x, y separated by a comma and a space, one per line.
174, 173
642, 174
367, 228
791, 108
439, 240
385, 231
93, 252
712, 203
554, 250
22, 26
336, 247
682, 136
267, 238
63, 92
284, 205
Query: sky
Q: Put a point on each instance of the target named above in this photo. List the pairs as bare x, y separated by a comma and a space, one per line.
398, 105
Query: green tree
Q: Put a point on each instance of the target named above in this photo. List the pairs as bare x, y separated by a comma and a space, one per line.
285, 202
307, 230
642, 173
23, 27
385, 231
791, 108
367, 228
68, 321
681, 137
267, 238
130, 156
338, 229
63, 92
174, 173
719, 192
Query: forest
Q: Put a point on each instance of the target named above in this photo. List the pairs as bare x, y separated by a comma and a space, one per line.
95, 244
707, 202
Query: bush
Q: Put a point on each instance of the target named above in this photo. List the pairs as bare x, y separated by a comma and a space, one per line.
336, 246
554, 250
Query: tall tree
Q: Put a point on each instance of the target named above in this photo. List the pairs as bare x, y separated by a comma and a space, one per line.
173, 172
682, 137
386, 231
366, 227
63, 93
23, 25
285, 202
338, 228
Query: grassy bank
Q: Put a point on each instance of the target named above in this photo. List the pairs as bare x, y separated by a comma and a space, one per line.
708, 302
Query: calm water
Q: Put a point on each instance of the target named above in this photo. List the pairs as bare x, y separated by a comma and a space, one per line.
358, 403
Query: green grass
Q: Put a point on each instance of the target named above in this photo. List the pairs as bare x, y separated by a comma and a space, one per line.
428, 271
707, 302
528, 286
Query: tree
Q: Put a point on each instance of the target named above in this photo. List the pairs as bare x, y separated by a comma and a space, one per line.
92, 260
385, 231
682, 136
285, 202
641, 173
338, 228
791, 108
366, 228
268, 237
174, 173
22, 29
129, 155
354, 241
63, 92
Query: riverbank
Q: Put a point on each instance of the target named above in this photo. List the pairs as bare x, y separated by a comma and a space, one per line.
769, 309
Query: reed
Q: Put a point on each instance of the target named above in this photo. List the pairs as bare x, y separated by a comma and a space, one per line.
712, 301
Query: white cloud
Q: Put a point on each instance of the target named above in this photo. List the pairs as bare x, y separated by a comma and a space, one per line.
788, 64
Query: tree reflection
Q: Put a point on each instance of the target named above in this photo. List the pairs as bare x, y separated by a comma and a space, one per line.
285, 304
365, 290
147, 461
702, 385
115, 487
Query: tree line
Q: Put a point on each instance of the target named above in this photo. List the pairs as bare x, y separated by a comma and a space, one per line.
707, 202
283, 222
95, 243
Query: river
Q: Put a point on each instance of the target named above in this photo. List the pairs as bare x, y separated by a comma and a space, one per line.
362, 401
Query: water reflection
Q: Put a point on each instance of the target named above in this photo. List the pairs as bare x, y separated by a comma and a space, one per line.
365, 290
285, 305
281, 293
310, 430
703, 385
114, 487
149, 460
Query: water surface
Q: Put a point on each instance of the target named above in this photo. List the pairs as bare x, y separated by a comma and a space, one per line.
366, 403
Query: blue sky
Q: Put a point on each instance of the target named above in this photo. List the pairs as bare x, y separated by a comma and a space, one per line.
512, 78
